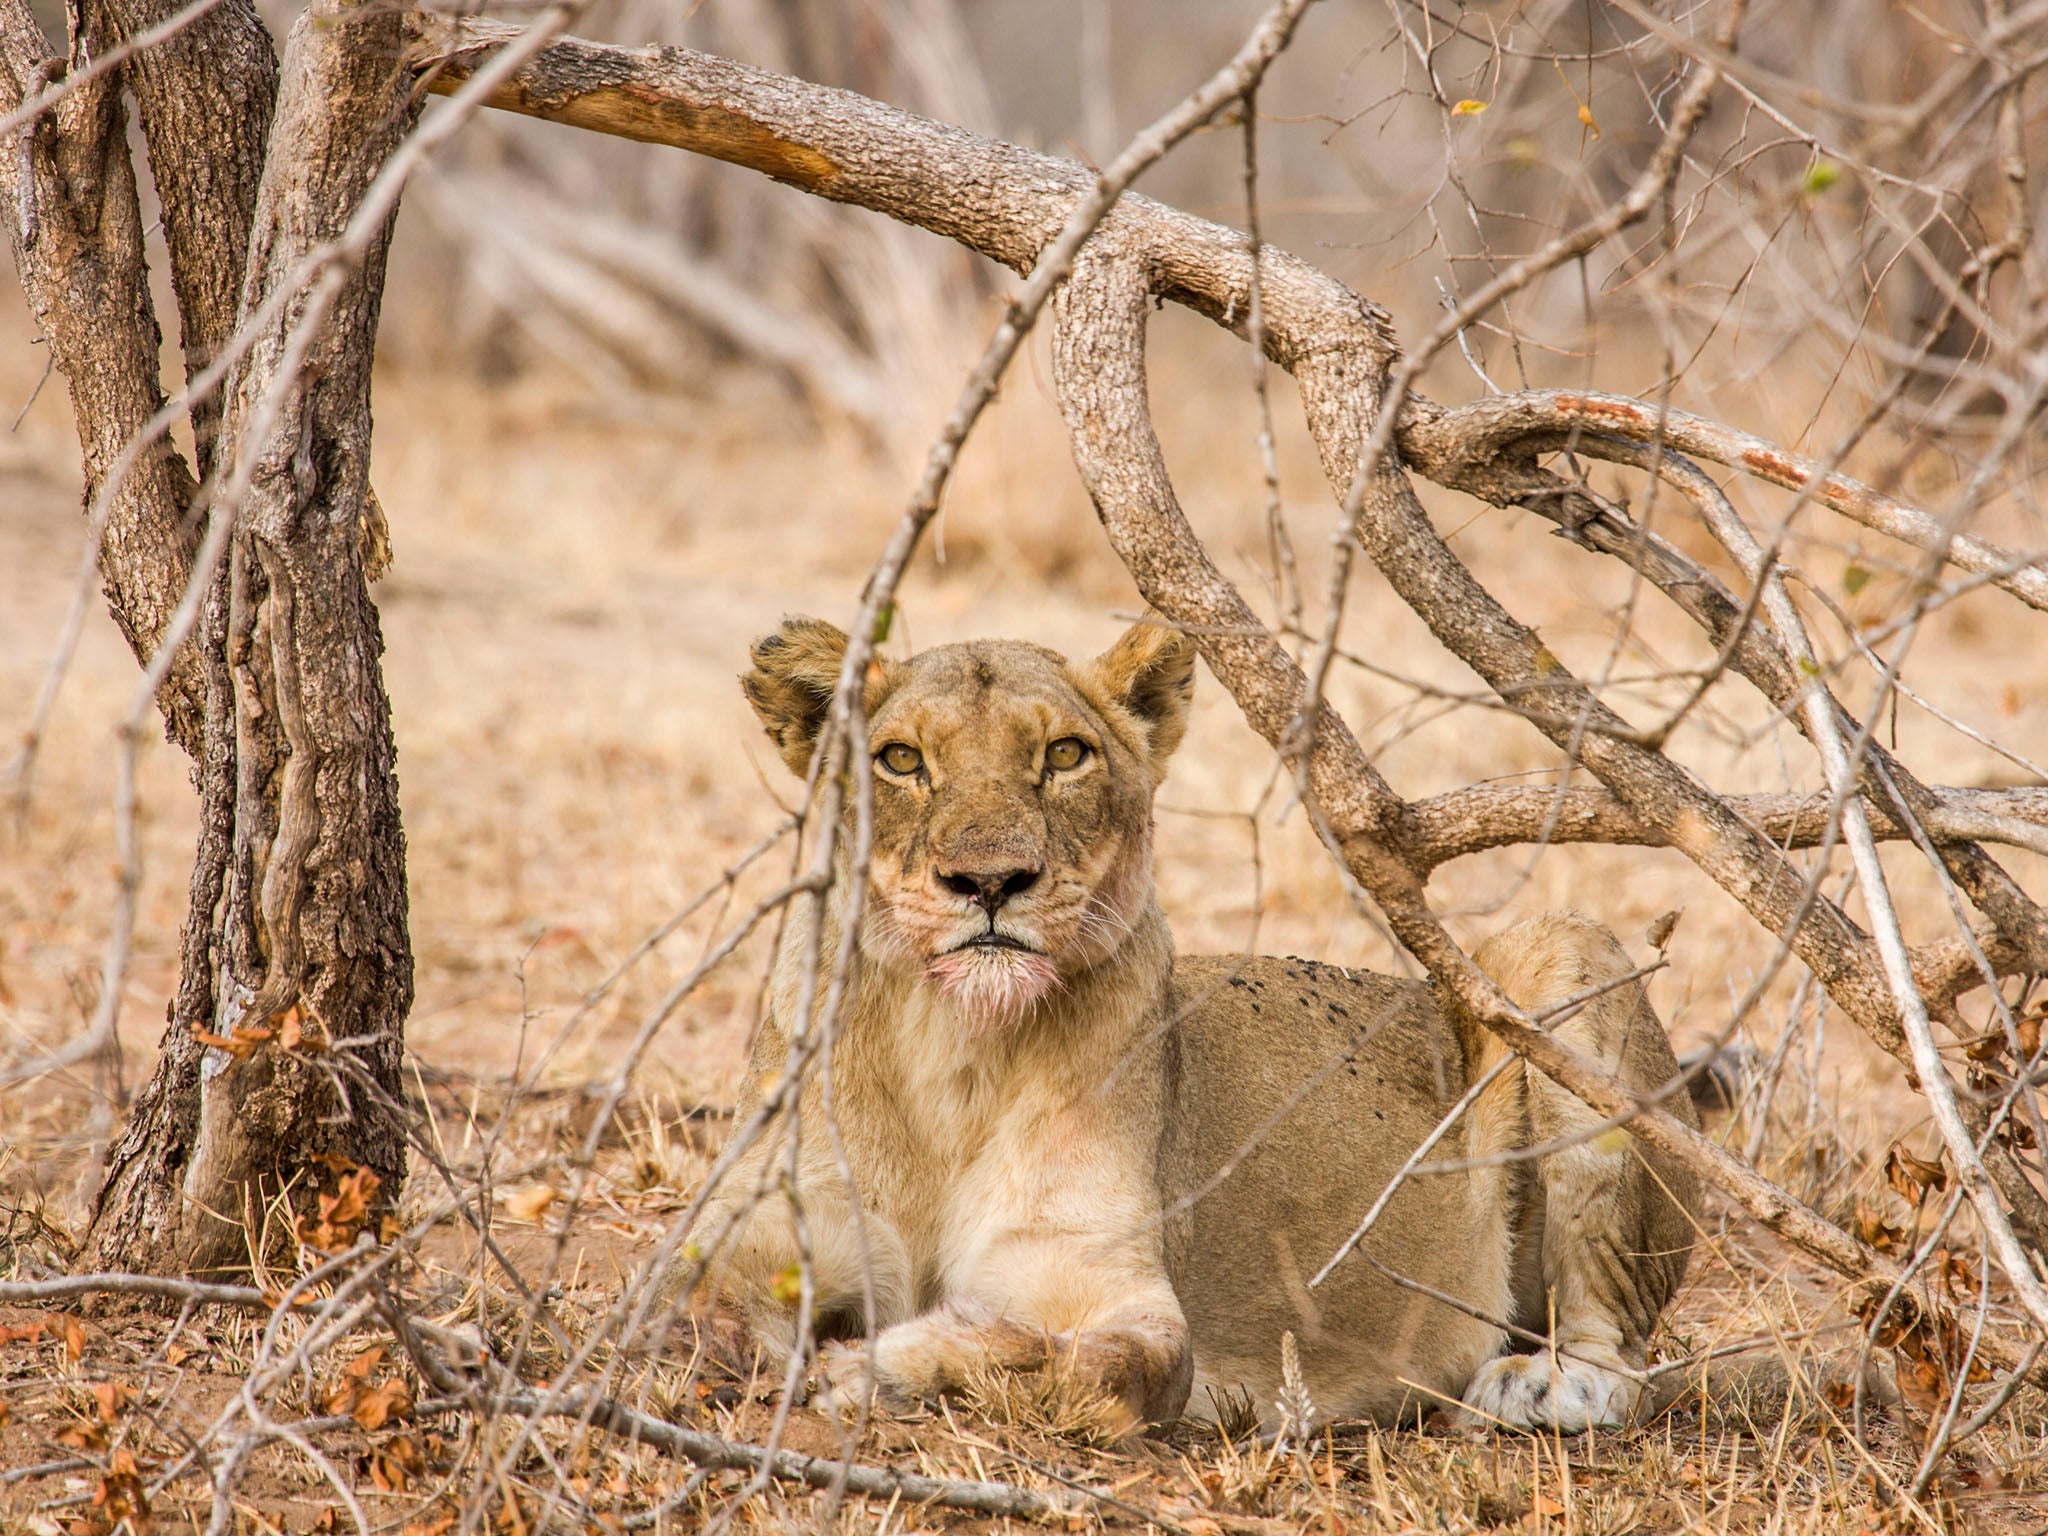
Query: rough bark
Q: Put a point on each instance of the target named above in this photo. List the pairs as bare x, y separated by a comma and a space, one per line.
205, 97
312, 910
77, 235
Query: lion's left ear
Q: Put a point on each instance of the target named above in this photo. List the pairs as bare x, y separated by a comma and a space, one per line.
1151, 672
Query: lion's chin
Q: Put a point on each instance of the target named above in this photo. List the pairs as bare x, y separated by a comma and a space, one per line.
993, 988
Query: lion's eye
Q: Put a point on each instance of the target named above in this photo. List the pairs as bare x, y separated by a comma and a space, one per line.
1067, 752
898, 757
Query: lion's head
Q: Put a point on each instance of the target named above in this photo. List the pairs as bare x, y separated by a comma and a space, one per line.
1013, 799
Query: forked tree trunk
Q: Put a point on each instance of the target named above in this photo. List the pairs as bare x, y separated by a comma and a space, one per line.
298, 901
313, 910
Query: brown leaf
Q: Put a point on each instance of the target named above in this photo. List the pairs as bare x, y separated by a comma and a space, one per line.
290, 1028
1876, 1231
377, 1406
74, 1338
1921, 1383
440, 1527
406, 1451
364, 1363
530, 1203
1912, 1177
84, 1437
1957, 1273
25, 1333
236, 1045
112, 1399
388, 1474
1662, 929
1986, 1047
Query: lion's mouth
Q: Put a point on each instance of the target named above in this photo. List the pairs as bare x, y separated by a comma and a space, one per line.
994, 980
992, 940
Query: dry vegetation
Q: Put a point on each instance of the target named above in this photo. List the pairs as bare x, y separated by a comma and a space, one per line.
587, 534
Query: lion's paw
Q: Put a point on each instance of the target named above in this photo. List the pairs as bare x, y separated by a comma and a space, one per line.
1546, 1391
845, 1382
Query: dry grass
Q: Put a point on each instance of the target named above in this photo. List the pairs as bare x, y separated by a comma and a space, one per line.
574, 588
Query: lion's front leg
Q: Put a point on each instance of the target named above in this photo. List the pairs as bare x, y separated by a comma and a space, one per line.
752, 1260
1141, 1364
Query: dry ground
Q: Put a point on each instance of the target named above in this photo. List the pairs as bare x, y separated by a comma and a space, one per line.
575, 584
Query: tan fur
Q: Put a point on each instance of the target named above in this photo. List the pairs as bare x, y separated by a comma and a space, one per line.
1131, 1170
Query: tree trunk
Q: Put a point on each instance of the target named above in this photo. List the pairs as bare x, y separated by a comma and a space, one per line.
298, 902
311, 923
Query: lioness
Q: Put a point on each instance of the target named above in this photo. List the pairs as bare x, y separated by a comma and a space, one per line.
1060, 1146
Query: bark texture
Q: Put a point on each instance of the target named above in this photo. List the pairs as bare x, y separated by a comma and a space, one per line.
205, 97
311, 911
70, 205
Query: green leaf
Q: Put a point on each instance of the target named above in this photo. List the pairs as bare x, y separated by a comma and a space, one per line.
1855, 578
1821, 175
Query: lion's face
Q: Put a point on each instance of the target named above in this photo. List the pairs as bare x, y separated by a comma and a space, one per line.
1013, 800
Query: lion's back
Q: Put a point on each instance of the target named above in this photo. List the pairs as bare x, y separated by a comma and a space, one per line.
1297, 1091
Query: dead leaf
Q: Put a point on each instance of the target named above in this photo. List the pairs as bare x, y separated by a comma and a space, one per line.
2028, 1028
90, 1436
241, 1043
74, 1339
1986, 1047
379, 1405
342, 1214
25, 1333
1662, 929
1876, 1231
530, 1203
364, 1363
1921, 1383
1911, 1176
390, 1476
112, 1398
440, 1527
1586, 117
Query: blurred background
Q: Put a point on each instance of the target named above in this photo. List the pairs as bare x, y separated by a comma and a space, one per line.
633, 407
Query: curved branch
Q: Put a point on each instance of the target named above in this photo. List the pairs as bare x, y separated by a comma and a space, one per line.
1467, 821
1454, 441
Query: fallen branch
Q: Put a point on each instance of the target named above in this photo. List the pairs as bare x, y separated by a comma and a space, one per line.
707, 1450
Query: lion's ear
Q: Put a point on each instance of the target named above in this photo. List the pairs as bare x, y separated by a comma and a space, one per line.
1151, 672
790, 685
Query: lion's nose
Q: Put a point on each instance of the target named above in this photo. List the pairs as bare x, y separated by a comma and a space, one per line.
989, 888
